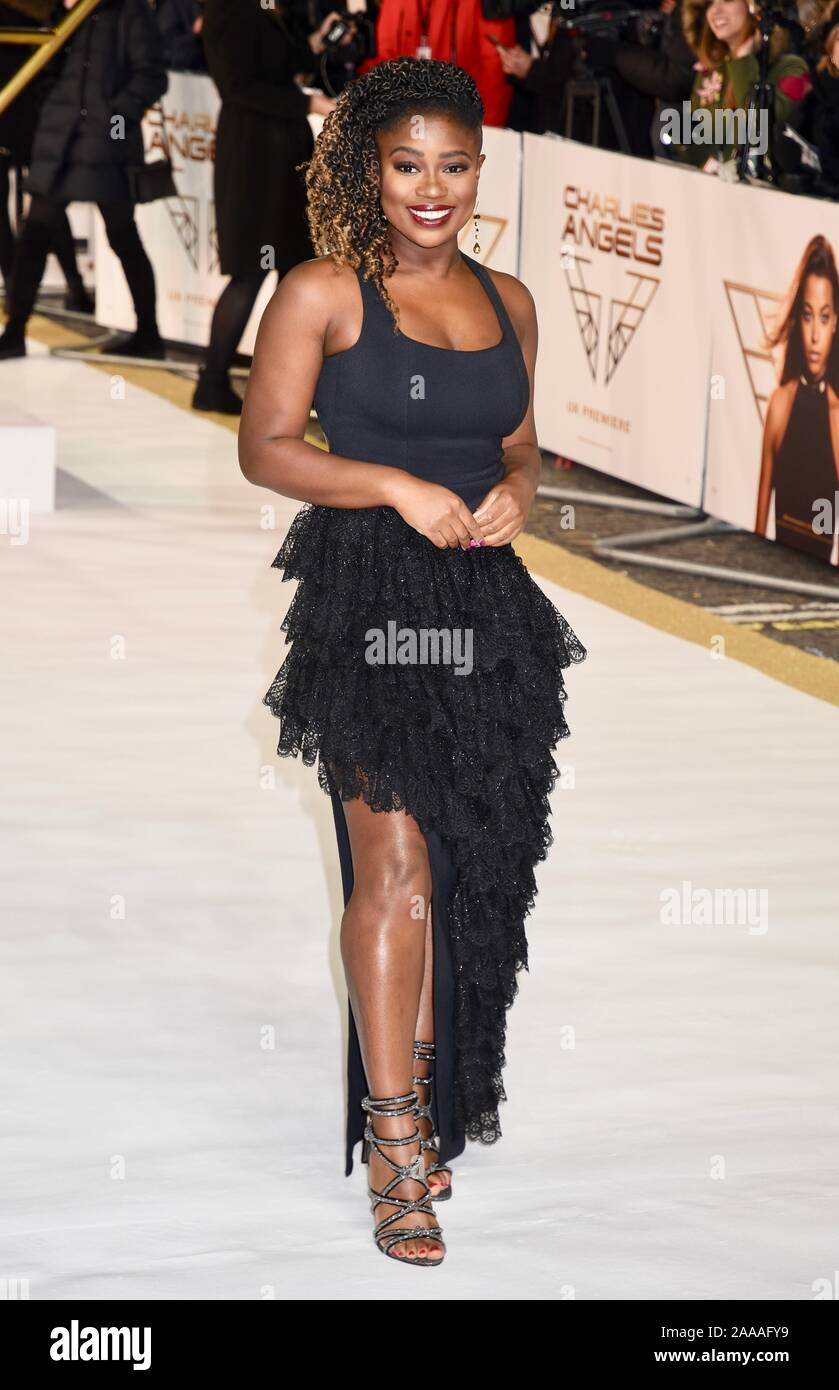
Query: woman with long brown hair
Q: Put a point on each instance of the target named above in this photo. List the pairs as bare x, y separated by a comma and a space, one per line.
426, 665
725, 37
800, 456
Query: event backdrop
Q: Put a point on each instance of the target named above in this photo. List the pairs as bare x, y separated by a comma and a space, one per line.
624, 343
655, 287
181, 232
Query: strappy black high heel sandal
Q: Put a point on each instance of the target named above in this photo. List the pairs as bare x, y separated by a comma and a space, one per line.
385, 1234
425, 1052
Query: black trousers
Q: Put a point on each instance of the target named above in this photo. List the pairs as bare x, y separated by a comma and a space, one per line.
34, 243
62, 240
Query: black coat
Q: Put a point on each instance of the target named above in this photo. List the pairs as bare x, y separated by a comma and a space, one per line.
816, 118
263, 132
183, 49
74, 154
18, 121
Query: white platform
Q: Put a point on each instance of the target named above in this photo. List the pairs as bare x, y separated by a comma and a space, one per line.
27, 465
170, 982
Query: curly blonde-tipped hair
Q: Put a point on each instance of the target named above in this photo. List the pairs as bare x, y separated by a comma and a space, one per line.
342, 177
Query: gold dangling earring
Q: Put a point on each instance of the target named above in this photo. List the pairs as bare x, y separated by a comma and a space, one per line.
476, 248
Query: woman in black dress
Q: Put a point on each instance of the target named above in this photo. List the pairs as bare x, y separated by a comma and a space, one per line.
426, 665
106, 76
800, 456
263, 134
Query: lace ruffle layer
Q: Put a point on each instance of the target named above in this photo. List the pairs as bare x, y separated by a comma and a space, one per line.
468, 755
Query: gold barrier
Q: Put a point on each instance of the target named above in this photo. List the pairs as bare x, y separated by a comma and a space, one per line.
47, 43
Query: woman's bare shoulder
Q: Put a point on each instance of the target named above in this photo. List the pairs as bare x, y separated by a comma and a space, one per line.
318, 279
781, 398
317, 292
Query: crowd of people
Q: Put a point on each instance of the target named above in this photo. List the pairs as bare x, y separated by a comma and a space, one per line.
594, 70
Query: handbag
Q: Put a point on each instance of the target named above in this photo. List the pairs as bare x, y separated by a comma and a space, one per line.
149, 181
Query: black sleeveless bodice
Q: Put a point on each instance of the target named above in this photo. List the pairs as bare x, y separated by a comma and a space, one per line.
439, 413
804, 472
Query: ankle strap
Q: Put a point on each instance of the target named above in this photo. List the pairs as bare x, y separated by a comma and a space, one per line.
384, 1105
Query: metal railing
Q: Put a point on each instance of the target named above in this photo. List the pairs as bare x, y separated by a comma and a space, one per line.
46, 42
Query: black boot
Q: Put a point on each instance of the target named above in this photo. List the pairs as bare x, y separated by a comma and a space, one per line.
214, 392
31, 251
12, 343
143, 343
77, 299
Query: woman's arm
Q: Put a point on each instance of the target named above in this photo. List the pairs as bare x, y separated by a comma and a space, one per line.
503, 512
776, 418
287, 358
273, 453
833, 403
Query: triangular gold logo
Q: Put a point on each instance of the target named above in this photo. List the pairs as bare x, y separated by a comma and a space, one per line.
625, 317
587, 305
753, 312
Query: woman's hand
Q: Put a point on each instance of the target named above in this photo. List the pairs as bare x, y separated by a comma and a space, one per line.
316, 39
505, 508
514, 61
320, 104
436, 512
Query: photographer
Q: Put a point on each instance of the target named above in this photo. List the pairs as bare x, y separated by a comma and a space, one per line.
596, 46
344, 55
542, 79
663, 70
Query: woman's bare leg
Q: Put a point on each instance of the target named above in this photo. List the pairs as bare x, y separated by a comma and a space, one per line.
383, 947
425, 1033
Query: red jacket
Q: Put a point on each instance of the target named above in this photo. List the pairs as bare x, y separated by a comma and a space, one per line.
457, 34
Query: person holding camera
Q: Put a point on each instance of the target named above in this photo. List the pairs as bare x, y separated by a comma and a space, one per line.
263, 135
88, 135
662, 70
542, 78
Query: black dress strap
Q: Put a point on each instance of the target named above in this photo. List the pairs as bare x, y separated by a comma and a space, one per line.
492, 290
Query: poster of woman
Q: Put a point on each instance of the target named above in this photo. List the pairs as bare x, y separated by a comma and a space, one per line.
799, 473
772, 462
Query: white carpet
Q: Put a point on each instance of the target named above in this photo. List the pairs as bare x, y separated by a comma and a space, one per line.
173, 1007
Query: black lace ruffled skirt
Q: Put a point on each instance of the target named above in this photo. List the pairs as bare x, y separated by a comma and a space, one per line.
463, 745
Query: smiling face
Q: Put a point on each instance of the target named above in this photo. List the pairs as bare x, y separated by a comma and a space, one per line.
818, 324
730, 21
429, 165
